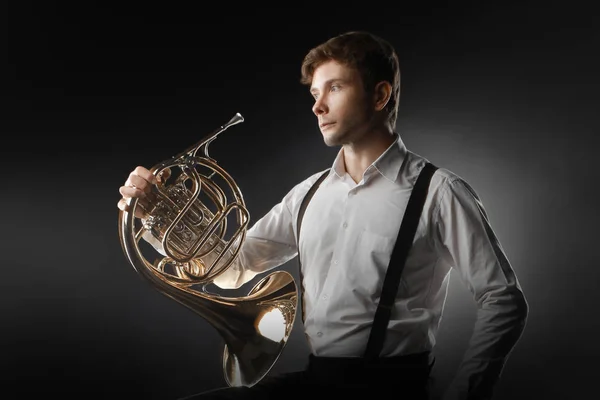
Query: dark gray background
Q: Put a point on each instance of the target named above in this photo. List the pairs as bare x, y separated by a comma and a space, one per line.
505, 96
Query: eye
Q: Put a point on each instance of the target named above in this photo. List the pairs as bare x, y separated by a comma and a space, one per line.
335, 88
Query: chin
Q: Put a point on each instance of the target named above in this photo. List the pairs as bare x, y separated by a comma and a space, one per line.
332, 139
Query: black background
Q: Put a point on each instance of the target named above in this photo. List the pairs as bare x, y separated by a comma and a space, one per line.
504, 95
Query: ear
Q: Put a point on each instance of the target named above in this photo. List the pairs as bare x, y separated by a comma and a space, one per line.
382, 93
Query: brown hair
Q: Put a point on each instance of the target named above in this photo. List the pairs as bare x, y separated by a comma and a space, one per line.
373, 57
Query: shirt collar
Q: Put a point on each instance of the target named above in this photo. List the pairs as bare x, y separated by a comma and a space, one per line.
388, 164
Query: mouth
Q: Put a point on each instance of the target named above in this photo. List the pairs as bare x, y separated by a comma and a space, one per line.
326, 125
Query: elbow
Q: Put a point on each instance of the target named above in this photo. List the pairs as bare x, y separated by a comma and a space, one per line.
233, 278
228, 282
518, 315
521, 307
516, 311
510, 302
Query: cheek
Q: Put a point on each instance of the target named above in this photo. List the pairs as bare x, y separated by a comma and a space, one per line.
354, 111
348, 107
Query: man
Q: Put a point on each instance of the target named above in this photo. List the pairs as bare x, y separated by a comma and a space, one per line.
349, 230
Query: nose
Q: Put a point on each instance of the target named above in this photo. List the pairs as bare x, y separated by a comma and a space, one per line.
320, 107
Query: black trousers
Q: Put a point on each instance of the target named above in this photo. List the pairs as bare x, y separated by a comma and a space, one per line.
407, 377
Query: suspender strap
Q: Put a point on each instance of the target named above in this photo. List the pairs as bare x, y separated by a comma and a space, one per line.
403, 244
303, 206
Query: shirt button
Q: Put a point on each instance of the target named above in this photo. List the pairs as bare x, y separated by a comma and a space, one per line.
345, 225
335, 262
319, 334
324, 297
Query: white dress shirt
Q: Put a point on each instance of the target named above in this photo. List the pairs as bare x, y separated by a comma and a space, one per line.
348, 232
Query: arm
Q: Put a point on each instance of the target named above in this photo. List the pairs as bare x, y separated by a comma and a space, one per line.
269, 243
468, 242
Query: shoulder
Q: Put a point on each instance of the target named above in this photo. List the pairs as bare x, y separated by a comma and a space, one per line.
445, 186
295, 195
442, 177
446, 178
304, 186
455, 200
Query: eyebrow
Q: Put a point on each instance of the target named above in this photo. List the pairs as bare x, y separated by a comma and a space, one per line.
328, 82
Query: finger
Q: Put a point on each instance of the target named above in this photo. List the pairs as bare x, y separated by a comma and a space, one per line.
144, 173
129, 192
123, 205
139, 182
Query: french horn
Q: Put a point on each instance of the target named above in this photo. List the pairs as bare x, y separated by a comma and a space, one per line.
195, 201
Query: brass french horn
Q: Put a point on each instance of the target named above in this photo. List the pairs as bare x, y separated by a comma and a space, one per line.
191, 220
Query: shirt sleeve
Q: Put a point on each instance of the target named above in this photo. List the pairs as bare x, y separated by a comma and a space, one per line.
469, 244
270, 242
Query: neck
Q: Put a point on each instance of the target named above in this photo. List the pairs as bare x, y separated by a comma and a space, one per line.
359, 155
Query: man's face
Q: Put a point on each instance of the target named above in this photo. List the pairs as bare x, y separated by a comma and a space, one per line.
342, 107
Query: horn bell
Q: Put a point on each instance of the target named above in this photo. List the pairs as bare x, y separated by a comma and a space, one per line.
190, 215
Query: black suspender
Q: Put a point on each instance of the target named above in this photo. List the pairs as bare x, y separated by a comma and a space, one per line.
403, 244
303, 205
